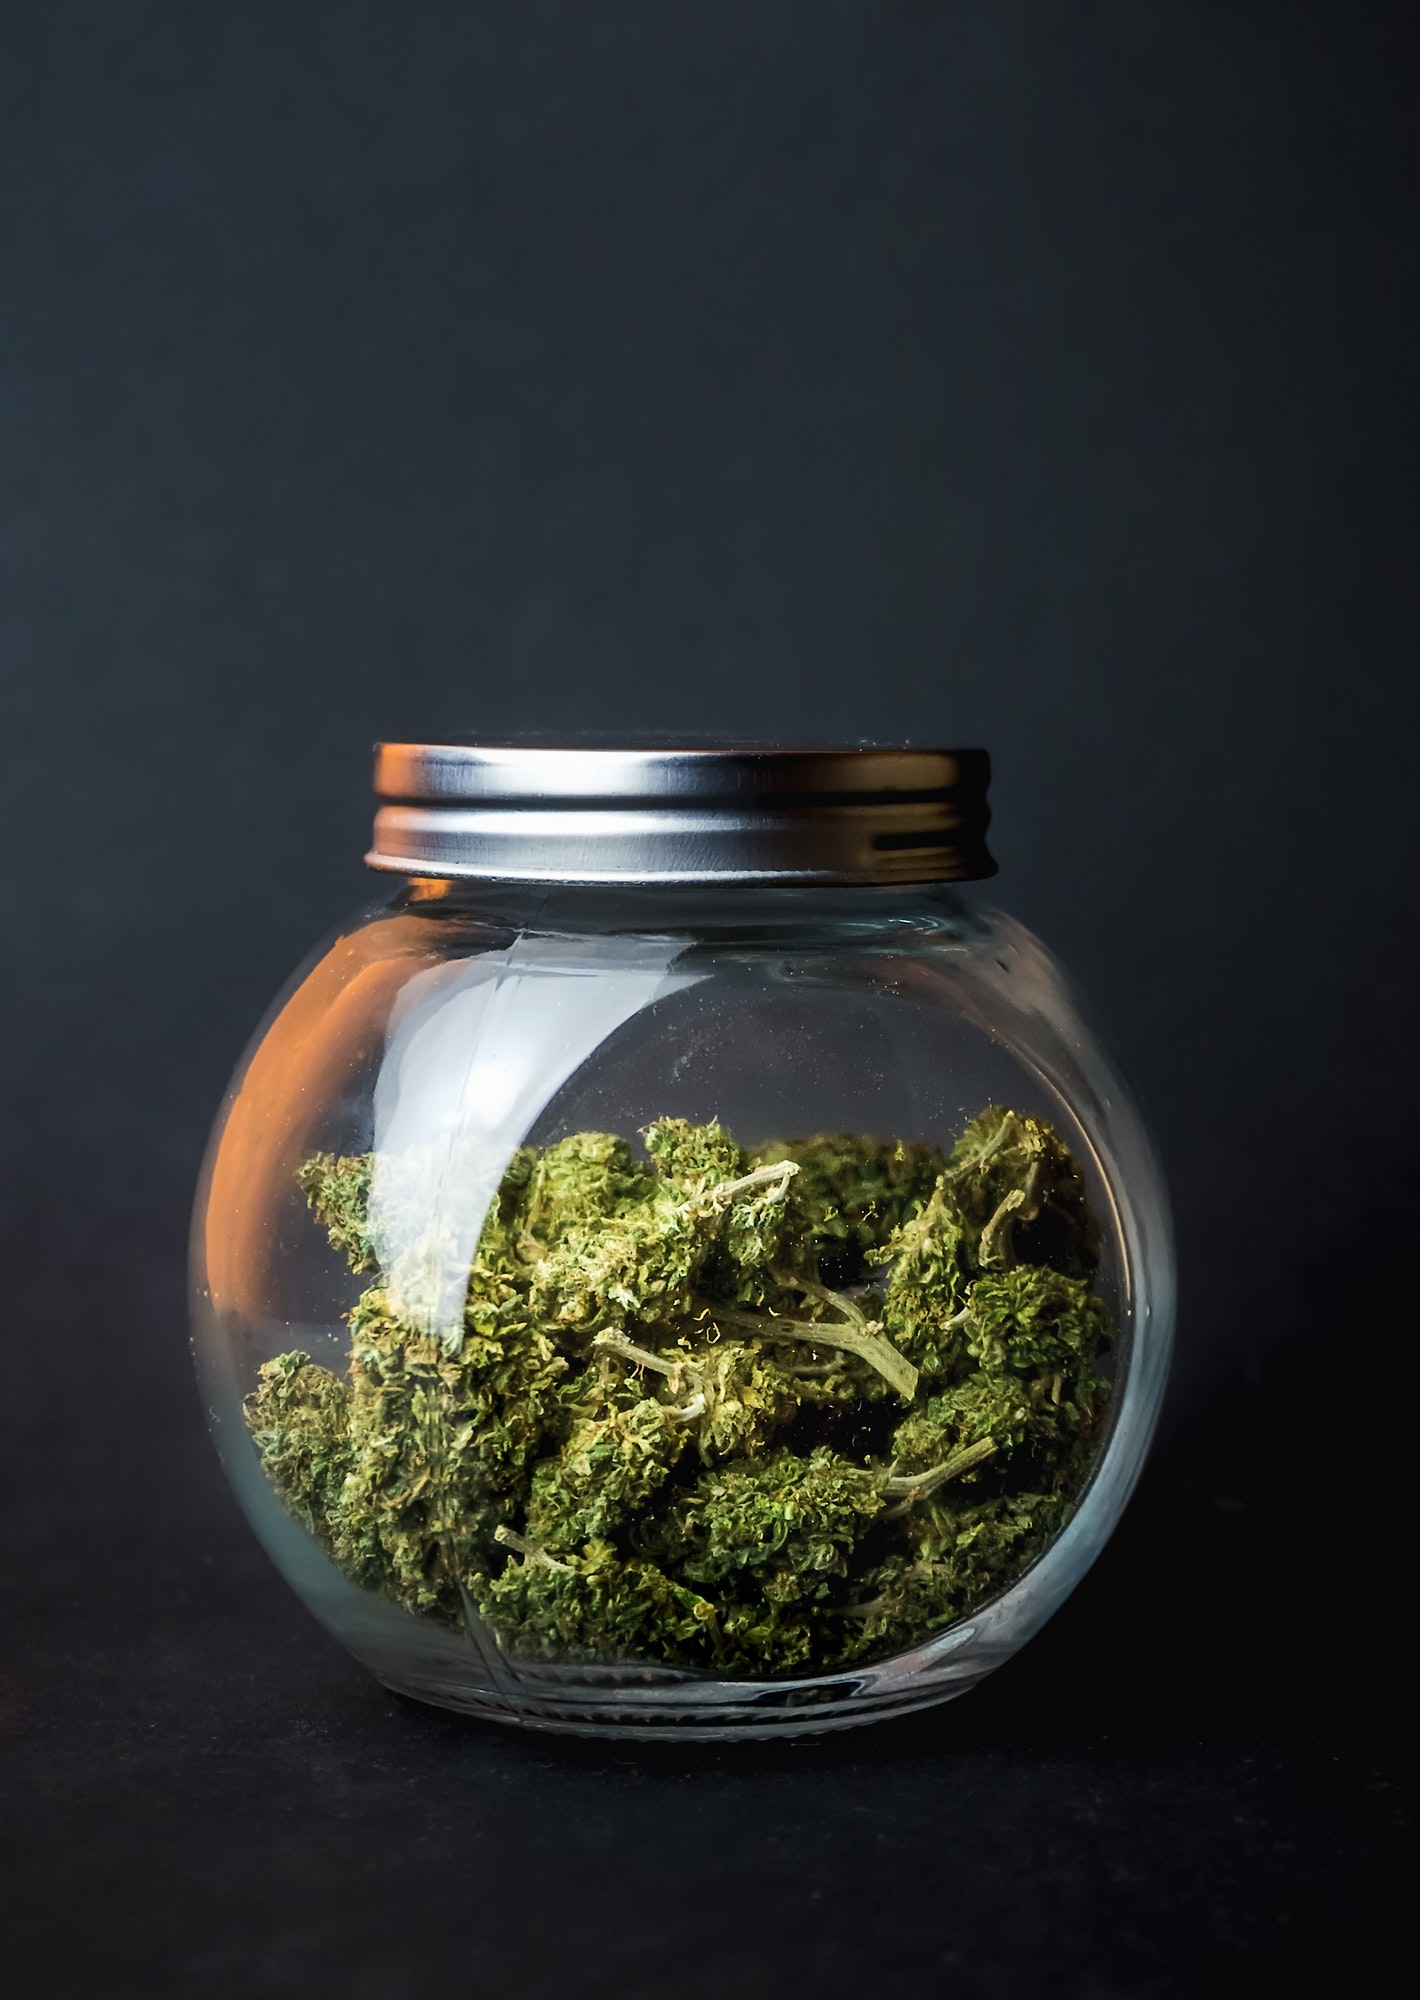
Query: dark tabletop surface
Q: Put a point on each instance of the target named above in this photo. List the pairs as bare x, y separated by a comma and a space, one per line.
1189, 1783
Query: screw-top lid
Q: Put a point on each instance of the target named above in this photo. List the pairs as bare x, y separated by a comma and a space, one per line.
681, 815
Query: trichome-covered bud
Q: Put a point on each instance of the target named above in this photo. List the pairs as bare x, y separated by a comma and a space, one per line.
299, 1418
594, 1606
746, 1411
1022, 1195
604, 1475
338, 1191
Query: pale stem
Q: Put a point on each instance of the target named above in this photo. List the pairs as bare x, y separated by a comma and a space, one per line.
1008, 1205
753, 1322
782, 1171
978, 1160
524, 1547
868, 1344
822, 1293
865, 1339
617, 1343
917, 1485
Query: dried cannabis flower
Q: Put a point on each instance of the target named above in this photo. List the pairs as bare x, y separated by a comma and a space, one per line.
752, 1412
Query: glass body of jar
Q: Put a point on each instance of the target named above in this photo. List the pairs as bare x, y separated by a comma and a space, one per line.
580, 1336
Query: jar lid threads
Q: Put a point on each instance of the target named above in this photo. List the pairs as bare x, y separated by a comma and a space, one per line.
662, 815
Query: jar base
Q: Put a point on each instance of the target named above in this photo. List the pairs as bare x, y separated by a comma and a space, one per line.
662, 1714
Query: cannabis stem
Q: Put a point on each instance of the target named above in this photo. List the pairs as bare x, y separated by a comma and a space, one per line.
839, 1302
529, 1549
1008, 1206
867, 1343
720, 1196
617, 1343
917, 1485
865, 1339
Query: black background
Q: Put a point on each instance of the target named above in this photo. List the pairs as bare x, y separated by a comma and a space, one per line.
1040, 376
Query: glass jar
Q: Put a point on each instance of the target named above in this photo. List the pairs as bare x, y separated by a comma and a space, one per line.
676, 1265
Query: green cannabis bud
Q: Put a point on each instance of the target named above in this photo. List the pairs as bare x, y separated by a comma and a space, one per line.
748, 1411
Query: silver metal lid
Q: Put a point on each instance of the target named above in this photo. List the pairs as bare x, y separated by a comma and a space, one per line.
681, 815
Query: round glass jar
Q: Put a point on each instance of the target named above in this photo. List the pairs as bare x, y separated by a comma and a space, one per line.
676, 1265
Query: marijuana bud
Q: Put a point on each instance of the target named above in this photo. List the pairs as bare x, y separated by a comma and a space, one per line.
339, 1195
299, 1416
604, 1475
747, 1411
1022, 1195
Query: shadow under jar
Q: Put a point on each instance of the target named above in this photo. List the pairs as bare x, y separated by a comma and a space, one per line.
677, 1266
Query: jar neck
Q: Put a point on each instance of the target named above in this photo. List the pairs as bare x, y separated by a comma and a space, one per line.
696, 909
